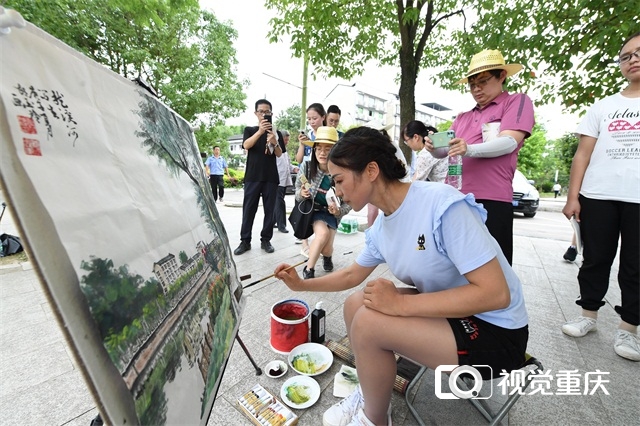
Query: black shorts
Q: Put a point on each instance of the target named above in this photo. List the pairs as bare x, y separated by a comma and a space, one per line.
482, 343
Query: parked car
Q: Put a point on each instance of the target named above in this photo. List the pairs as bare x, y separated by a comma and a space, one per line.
526, 197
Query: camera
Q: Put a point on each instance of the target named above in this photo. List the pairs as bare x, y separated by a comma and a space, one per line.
302, 132
455, 372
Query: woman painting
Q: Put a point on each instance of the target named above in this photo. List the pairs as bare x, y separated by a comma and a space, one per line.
464, 304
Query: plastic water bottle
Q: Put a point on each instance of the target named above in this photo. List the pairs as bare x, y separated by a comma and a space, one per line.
454, 177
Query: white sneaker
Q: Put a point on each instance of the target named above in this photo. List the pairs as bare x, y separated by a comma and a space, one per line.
360, 419
627, 345
579, 327
343, 412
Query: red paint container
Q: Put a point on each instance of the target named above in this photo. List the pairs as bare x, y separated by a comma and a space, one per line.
289, 325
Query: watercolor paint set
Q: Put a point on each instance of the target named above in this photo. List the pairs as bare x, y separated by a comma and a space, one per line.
264, 409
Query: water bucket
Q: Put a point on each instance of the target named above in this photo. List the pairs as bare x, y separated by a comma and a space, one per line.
289, 325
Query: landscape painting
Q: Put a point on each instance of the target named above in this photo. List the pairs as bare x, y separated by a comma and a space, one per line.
119, 218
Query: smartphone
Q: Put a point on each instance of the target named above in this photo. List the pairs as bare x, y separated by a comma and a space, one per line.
302, 132
331, 197
268, 118
441, 139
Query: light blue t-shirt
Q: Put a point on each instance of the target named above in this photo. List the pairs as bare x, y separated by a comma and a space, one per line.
435, 237
216, 165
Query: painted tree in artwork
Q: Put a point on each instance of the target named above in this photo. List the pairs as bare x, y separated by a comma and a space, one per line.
116, 296
169, 138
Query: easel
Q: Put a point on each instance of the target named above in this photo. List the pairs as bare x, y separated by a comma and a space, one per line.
246, 351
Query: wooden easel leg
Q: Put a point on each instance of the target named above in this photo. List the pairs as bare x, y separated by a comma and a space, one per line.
246, 351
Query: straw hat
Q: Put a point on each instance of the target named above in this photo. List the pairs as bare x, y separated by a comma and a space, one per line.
324, 134
489, 60
375, 124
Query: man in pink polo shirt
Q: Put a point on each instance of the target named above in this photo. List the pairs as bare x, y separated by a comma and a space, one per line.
489, 138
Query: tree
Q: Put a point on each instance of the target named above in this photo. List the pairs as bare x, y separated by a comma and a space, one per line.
570, 45
362, 30
573, 41
183, 53
530, 155
566, 148
289, 120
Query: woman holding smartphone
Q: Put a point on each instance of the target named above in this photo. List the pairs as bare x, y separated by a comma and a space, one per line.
326, 214
316, 116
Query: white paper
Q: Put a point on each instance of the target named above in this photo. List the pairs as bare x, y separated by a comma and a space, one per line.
341, 386
576, 230
490, 131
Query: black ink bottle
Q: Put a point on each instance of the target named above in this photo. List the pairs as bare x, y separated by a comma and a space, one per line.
317, 324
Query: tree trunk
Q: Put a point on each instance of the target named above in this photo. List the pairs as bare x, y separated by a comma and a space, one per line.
407, 96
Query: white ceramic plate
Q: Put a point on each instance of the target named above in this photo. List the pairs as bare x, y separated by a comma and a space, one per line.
317, 356
304, 384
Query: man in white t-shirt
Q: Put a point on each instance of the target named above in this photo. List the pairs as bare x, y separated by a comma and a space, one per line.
604, 196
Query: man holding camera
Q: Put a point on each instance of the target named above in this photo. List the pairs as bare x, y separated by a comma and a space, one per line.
261, 177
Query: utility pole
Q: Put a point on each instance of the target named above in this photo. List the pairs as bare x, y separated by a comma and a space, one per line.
303, 105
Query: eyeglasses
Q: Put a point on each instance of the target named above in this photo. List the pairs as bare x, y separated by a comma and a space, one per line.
323, 150
479, 83
263, 112
623, 59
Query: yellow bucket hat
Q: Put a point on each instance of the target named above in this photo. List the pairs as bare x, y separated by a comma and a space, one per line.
324, 134
489, 60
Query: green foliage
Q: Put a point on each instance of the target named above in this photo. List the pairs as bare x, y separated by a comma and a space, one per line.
565, 148
115, 296
235, 161
289, 120
208, 137
530, 156
570, 44
238, 179
182, 52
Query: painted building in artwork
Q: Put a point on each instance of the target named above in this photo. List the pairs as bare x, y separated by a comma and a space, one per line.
166, 271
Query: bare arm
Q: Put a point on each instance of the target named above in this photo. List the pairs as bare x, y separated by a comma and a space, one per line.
487, 291
300, 152
342, 279
581, 161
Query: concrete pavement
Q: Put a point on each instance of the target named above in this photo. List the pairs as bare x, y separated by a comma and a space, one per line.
40, 383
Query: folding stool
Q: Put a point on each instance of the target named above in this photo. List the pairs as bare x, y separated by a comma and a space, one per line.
492, 418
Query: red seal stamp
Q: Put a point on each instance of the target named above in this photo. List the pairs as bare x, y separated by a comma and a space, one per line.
27, 125
32, 147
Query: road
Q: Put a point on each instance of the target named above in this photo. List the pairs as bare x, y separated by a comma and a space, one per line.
546, 224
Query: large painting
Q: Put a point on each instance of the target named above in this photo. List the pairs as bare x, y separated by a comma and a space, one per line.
109, 192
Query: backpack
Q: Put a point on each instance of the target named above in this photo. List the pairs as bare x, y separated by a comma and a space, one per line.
10, 245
